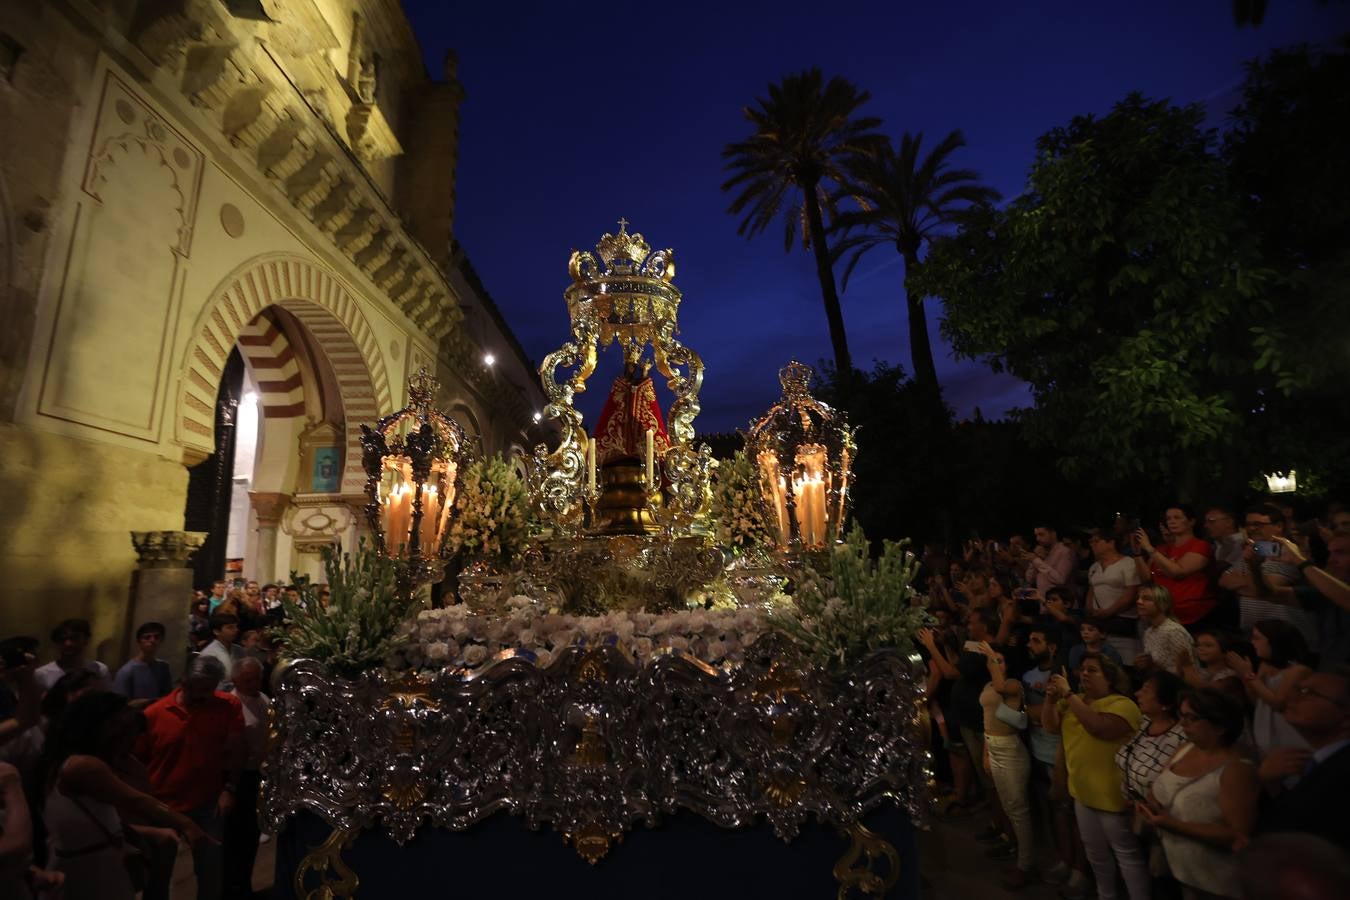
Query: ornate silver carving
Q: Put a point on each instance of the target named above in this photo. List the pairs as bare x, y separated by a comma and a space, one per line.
593, 745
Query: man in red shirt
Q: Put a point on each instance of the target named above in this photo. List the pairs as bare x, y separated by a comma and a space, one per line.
193, 750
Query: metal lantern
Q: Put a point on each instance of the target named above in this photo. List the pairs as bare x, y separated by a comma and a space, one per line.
411, 459
804, 451
1282, 482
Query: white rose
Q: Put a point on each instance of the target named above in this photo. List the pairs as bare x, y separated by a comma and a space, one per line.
542, 658
642, 648
716, 650
474, 654
526, 637
697, 620
438, 651
677, 642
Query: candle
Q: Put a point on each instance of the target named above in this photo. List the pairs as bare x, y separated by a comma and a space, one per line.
651, 457
590, 463
431, 515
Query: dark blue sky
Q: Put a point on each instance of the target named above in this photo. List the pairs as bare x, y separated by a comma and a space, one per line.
577, 114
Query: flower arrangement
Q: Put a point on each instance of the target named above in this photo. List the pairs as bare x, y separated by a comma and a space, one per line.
742, 520
361, 623
490, 505
840, 616
457, 636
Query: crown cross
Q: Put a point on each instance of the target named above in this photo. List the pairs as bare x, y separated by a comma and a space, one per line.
623, 224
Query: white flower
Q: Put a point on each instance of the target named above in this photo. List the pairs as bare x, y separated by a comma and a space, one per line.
474, 654
542, 658
642, 648
438, 651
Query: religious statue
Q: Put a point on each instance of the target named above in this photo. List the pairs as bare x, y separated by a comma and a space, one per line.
629, 413
630, 438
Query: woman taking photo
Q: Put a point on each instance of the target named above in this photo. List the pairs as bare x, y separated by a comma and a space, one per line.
1092, 726
1280, 650
86, 800
1008, 761
1205, 799
1181, 564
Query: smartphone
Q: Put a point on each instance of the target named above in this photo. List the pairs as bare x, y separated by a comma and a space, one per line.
1024, 593
972, 647
1267, 549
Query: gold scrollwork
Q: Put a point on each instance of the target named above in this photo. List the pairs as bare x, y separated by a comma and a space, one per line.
853, 875
336, 878
592, 841
777, 684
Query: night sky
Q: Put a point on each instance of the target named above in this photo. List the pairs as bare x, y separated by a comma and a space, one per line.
578, 114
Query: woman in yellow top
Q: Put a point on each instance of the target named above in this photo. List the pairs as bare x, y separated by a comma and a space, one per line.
1092, 725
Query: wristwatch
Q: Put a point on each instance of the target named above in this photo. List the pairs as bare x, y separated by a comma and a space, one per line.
1305, 564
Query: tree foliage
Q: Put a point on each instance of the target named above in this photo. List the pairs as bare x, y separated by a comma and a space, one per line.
1125, 287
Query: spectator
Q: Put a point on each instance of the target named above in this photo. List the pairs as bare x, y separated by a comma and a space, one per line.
1293, 867
1206, 798
224, 631
1158, 738
973, 675
241, 825
200, 638
1320, 711
1094, 641
1059, 606
16, 841
72, 638
1113, 582
1258, 579
201, 614
1070, 868
1166, 641
22, 694
145, 678
87, 800
193, 751
1221, 528
217, 596
1051, 564
1208, 665
1092, 726
1181, 564
1280, 652
942, 659
1007, 761
1326, 592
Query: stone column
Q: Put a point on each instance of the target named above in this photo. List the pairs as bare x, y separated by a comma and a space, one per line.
268, 508
161, 589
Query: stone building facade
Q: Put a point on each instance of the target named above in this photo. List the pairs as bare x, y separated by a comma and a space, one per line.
184, 183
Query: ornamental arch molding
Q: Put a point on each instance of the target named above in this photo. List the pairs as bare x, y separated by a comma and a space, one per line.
326, 309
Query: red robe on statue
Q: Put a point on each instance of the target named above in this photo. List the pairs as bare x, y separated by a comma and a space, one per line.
629, 411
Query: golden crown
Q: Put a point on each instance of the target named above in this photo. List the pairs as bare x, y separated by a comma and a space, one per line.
628, 292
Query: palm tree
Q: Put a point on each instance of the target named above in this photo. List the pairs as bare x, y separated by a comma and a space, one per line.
903, 200
804, 133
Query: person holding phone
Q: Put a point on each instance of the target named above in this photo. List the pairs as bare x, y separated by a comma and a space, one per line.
1181, 563
1092, 726
1264, 571
1008, 761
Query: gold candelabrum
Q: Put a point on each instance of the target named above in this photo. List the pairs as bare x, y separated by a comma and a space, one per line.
412, 459
624, 297
805, 452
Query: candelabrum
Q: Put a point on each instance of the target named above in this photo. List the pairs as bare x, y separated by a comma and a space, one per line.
412, 458
805, 452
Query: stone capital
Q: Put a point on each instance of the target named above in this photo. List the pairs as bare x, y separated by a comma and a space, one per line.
269, 507
165, 549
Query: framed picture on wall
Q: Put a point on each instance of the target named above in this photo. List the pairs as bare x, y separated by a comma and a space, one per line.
327, 473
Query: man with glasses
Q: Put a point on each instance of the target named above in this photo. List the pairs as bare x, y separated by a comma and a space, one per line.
1320, 711
1259, 578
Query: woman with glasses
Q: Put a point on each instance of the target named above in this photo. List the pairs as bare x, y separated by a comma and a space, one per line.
1092, 726
1206, 798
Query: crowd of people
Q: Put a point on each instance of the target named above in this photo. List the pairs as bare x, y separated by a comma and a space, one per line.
104, 775
1150, 713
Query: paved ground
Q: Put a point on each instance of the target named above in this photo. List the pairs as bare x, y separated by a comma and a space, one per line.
952, 863
954, 866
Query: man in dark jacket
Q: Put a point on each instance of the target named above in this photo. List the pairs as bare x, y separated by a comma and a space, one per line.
1320, 711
